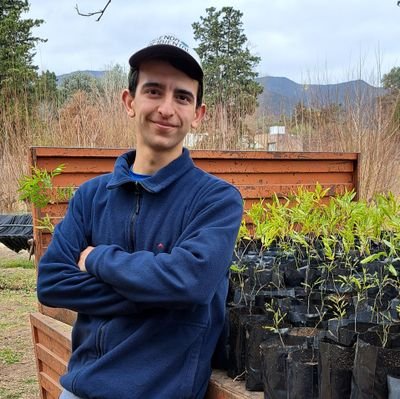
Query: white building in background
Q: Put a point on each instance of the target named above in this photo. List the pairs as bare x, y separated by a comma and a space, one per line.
276, 130
277, 140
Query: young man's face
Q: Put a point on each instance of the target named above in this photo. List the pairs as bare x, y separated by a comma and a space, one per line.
164, 107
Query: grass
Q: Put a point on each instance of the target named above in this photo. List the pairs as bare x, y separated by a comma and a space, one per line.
17, 279
17, 263
7, 394
9, 356
17, 299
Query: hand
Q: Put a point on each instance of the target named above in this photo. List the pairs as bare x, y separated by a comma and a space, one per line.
82, 258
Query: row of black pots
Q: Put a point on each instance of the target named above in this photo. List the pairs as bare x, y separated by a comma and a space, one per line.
310, 308
346, 360
255, 275
254, 250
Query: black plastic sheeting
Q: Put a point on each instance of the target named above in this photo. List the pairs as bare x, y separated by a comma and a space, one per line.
16, 230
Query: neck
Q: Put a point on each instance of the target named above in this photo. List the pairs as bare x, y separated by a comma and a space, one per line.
150, 162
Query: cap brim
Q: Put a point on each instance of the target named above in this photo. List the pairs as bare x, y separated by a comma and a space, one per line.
164, 51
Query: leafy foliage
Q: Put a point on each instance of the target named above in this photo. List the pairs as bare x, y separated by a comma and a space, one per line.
227, 62
78, 81
16, 45
36, 187
391, 80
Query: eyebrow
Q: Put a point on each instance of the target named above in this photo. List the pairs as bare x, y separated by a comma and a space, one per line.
161, 86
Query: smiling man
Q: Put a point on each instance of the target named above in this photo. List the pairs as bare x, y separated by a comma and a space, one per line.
143, 253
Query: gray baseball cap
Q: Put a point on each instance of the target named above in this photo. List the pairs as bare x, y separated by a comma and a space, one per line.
170, 47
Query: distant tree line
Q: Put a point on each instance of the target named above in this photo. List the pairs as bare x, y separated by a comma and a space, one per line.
229, 65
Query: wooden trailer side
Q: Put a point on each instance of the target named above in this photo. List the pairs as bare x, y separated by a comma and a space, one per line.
258, 175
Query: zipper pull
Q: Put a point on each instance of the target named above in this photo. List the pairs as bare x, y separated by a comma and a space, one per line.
138, 193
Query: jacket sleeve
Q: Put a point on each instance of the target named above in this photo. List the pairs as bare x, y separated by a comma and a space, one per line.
192, 271
60, 281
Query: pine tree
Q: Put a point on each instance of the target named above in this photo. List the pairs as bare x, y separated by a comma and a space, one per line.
17, 44
391, 80
227, 62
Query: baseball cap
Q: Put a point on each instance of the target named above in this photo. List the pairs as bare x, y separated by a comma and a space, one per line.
171, 48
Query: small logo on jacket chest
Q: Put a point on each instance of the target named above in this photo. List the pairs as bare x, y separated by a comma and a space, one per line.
160, 247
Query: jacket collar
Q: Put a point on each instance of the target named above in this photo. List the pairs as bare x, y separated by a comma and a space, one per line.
156, 183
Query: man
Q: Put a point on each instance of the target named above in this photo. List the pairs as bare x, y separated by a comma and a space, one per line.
143, 253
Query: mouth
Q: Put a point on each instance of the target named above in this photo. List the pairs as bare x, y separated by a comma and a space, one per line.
164, 125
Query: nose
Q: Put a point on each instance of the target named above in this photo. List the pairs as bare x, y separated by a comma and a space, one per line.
166, 107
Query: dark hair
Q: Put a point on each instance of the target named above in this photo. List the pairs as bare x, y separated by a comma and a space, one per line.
133, 78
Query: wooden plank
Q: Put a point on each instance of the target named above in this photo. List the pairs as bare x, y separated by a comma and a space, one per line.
264, 179
223, 387
69, 152
73, 165
76, 179
48, 370
64, 315
52, 387
251, 154
275, 166
47, 326
46, 356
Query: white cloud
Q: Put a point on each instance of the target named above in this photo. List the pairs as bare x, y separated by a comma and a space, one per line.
302, 40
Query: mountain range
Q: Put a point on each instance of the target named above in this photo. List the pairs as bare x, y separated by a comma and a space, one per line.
281, 95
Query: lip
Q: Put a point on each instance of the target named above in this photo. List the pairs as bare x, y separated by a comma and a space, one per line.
163, 125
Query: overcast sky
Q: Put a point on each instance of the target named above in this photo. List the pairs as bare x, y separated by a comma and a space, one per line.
308, 41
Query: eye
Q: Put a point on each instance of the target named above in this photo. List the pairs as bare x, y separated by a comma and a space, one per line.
184, 98
153, 91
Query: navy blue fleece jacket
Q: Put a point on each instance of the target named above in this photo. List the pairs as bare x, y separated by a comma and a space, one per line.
151, 305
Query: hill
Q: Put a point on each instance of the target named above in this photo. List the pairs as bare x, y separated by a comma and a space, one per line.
281, 94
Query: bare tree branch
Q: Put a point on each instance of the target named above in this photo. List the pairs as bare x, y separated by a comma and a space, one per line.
90, 14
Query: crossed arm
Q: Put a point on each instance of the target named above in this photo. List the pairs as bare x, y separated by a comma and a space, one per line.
106, 280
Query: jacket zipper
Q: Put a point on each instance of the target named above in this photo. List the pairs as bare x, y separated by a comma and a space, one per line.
138, 192
138, 195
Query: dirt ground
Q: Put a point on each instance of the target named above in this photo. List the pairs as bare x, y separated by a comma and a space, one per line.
18, 378
6, 253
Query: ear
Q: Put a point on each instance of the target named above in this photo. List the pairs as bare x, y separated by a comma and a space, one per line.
128, 102
198, 116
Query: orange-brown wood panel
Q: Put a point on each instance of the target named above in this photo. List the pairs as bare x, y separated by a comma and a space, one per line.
50, 387
257, 174
52, 346
95, 165
55, 365
64, 315
54, 210
286, 178
275, 166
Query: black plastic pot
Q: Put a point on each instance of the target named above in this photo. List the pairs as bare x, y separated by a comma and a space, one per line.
256, 333
372, 364
293, 276
274, 353
302, 374
238, 317
304, 316
335, 370
349, 331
